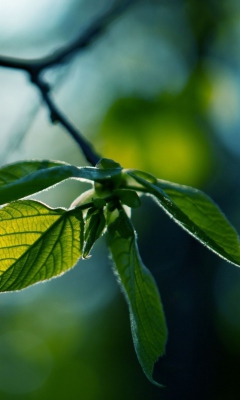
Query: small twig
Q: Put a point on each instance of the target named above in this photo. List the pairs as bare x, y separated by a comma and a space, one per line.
56, 116
85, 38
35, 68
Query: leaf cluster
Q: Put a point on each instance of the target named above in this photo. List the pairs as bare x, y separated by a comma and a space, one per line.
39, 242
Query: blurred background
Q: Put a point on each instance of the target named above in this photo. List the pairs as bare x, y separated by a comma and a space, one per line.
158, 91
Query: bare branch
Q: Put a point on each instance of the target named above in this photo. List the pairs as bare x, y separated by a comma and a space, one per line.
35, 67
83, 41
13, 63
56, 116
88, 36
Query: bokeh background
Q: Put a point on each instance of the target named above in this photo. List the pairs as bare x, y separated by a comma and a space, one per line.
159, 91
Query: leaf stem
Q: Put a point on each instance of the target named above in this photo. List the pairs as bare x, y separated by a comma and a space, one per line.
85, 206
57, 116
136, 188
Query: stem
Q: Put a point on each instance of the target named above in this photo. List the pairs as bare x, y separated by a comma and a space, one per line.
136, 188
57, 116
85, 206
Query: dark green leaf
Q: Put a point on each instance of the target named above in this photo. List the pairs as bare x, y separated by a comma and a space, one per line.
95, 224
25, 178
107, 163
37, 243
197, 213
121, 225
99, 202
128, 197
104, 188
146, 313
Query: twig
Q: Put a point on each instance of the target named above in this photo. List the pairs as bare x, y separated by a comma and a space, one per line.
56, 116
35, 68
84, 39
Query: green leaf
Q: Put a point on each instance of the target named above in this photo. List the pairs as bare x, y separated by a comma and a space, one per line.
104, 188
94, 228
25, 178
196, 213
84, 198
37, 243
107, 163
99, 202
128, 197
121, 225
146, 313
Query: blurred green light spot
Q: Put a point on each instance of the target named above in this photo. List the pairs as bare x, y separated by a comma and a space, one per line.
25, 362
166, 141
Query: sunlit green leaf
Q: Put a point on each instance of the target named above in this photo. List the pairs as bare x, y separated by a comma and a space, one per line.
25, 178
37, 243
197, 213
146, 313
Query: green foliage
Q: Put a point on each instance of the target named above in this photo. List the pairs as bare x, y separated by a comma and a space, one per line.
25, 178
38, 242
146, 313
198, 214
128, 197
94, 227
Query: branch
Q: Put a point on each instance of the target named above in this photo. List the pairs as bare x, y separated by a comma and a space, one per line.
35, 67
84, 39
56, 116
87, 37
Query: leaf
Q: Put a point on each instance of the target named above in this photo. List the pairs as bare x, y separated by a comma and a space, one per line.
25, 178
98, 202
94, 228
107, 163
196, 213
37, 243
146, 313
84, 198
128, 197
121, 225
